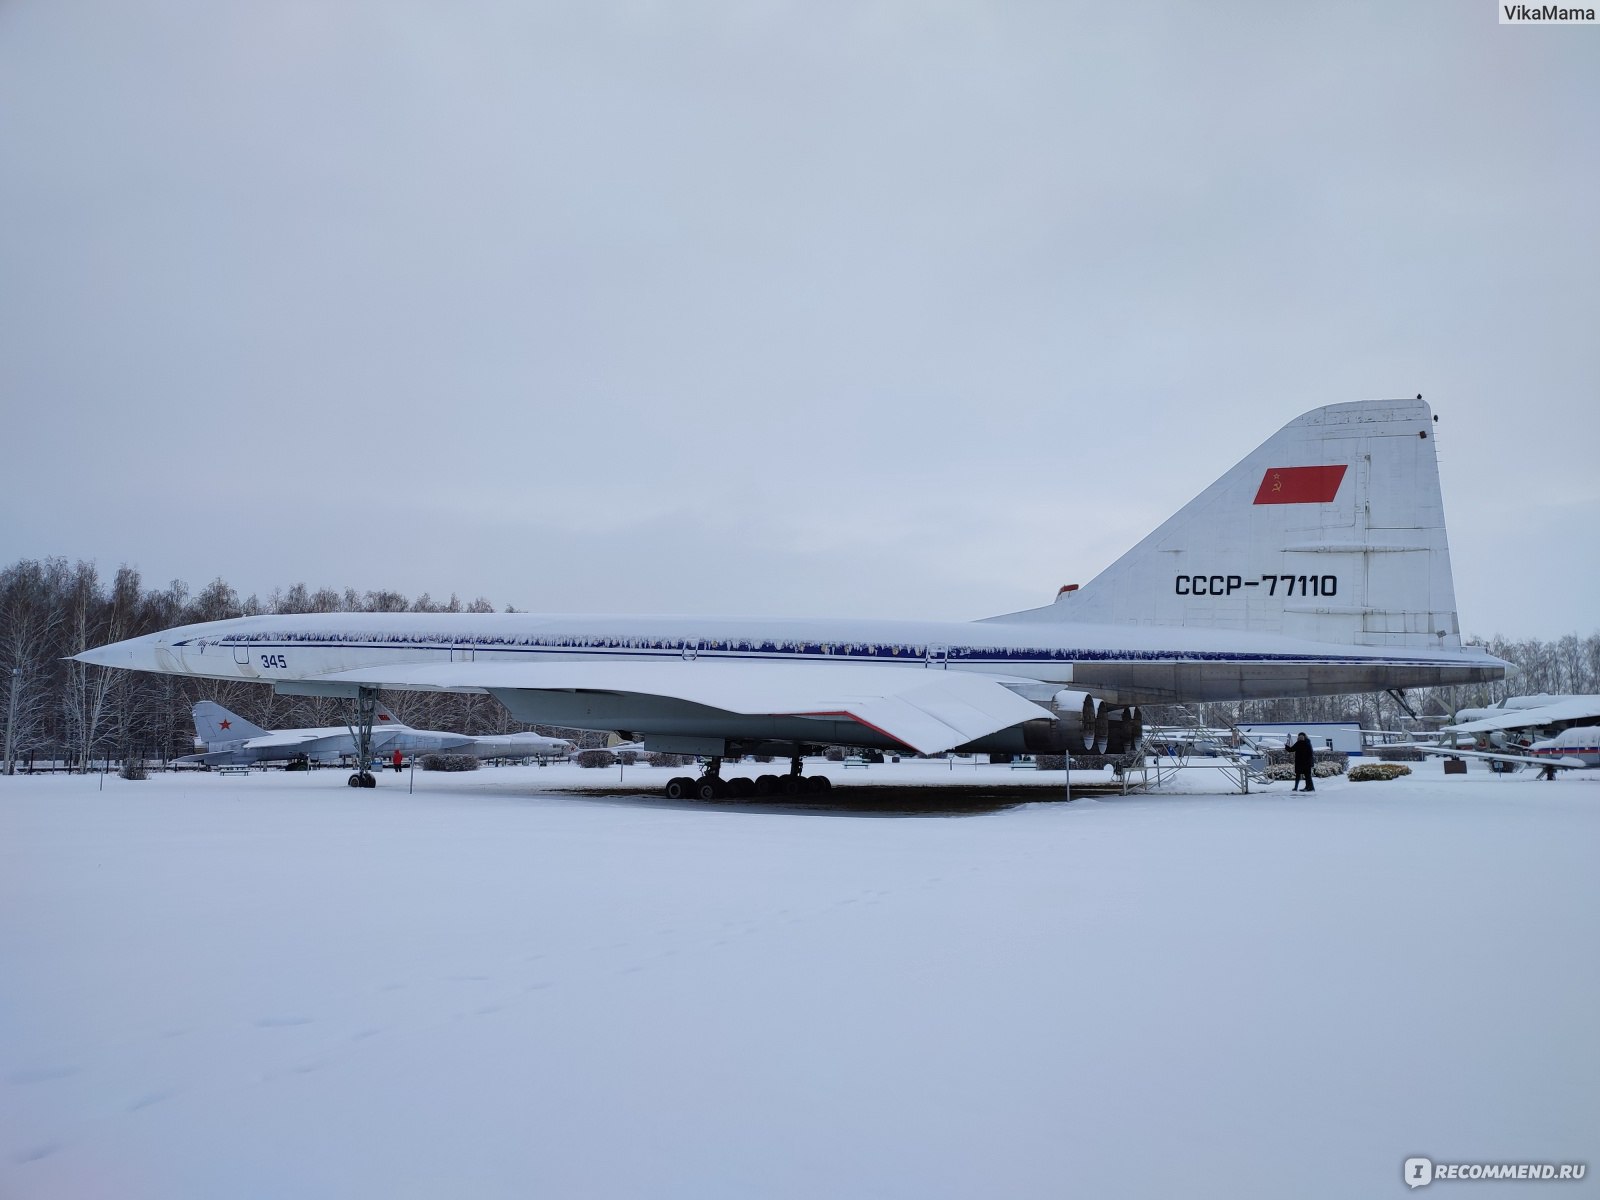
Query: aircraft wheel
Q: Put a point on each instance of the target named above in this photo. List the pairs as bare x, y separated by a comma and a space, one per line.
790, 785
741, 786
766, 785
708, 789
818, 783
354, 781
679, 788
368, 780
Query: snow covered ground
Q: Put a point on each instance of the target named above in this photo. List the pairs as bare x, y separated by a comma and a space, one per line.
278, 986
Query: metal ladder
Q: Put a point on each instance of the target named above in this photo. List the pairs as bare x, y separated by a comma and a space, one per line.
1148, 772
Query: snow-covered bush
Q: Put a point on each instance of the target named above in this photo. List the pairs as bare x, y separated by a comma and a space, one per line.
133, 768
667, 760
1080, 762
1099, 762
596, 758
1382, 770
1400, 754
1337, 759
1319, 770
448, 762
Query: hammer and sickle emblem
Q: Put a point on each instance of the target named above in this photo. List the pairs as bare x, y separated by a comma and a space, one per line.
1277, 481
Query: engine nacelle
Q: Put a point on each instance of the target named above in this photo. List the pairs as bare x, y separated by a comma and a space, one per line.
1083, 725
1126, 731
1078, 727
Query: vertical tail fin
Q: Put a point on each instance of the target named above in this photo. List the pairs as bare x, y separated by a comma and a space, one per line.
215, 725
1331, 530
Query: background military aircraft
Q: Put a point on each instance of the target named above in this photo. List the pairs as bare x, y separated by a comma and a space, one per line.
1564, 730
229, 739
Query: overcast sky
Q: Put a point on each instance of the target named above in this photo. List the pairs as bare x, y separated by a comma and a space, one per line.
849, 309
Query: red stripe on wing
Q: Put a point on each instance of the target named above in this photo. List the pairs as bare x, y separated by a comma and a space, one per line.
852, 716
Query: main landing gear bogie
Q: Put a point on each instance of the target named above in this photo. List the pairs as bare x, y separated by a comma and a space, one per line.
362, 779
711, 785
707, 787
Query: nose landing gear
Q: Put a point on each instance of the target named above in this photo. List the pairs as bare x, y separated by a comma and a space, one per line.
366, 714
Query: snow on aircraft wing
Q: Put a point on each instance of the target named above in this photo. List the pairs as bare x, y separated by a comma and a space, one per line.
1578, 708
288, 739
929, 710
1565, 764
268, 746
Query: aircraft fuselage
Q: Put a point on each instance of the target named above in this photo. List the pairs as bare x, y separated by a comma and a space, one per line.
1122, 665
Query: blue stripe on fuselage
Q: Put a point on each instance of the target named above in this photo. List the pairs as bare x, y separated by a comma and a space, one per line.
769, 651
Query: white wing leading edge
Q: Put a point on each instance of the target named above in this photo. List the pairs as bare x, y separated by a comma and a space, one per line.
928, 710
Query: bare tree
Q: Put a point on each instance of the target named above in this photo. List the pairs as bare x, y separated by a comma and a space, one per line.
93, 620
31, 618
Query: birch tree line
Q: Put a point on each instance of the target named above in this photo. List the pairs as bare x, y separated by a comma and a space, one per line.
75, 714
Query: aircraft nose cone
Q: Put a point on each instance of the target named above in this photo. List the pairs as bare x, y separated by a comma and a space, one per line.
134, 654
115, 655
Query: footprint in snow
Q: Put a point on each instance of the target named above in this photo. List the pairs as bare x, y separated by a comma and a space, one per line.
281, 1022
149, 1098
35, 1153
40, 1074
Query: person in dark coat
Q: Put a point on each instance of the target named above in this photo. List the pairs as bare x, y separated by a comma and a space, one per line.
1304, 756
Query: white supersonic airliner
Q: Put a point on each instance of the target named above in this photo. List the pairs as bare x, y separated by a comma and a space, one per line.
1316, 566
